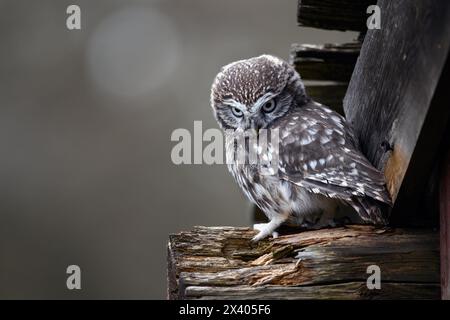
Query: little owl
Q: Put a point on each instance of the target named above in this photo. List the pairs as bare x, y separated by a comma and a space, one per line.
320, 172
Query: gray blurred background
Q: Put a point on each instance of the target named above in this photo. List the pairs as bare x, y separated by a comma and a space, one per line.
86, 116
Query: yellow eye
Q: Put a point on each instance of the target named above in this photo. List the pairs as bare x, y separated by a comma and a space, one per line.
269, 106
237, 112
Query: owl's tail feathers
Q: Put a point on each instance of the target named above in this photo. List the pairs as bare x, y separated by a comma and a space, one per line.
371, 210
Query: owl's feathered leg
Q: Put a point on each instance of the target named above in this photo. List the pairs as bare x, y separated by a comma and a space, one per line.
266, 229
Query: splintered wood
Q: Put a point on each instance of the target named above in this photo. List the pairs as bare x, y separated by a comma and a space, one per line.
222, 263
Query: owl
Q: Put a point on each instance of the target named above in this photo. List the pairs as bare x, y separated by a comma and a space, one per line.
320, 173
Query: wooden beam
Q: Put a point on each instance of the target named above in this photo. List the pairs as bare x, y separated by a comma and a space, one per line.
222, 263
419, 191
327, 62
445, 225
392, 88
333, 14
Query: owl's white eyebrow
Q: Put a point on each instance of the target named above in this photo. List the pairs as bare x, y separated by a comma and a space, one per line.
256, 106
235, 104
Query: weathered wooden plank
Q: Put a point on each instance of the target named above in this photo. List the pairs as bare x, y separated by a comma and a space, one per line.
445, 226
333, 14
338, 291
327, 62
222, 262
417, 199
391, 90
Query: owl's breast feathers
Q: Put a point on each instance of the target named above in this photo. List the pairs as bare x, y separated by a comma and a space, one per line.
317, 151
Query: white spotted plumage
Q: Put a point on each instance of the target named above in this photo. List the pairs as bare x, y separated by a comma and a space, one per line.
320, 170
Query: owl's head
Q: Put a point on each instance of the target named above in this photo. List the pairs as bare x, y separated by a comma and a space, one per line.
252, 93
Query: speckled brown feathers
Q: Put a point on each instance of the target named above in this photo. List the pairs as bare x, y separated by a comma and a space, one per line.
260, 76
320, 170
318, 152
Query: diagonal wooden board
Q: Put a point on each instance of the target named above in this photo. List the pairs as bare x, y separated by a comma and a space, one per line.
396, 101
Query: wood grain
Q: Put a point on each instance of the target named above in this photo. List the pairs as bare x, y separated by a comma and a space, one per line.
445, 225
222, 262
328, 62
390, 97
333, 14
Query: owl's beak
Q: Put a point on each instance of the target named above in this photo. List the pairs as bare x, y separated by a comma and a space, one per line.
254, 125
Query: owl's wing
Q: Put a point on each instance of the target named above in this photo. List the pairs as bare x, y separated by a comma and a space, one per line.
317, 152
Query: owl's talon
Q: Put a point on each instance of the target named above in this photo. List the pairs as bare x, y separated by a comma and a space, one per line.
265, 229
255, 238
261, 235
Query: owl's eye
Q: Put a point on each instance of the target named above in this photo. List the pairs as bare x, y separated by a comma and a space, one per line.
269, 106
237, 112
